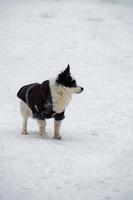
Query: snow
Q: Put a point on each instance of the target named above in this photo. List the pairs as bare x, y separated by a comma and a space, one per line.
94, 159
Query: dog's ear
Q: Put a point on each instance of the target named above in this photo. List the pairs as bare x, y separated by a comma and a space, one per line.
63, 77
67, 70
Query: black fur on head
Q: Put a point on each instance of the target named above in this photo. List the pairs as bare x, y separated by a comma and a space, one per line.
65, 79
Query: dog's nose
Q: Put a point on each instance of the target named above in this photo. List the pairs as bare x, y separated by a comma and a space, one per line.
82, 89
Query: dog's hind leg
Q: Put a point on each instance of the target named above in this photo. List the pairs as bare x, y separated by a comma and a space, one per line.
57, 125
26, 112
24, 128
42, 127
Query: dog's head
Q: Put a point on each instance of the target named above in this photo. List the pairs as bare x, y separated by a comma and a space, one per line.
65, 79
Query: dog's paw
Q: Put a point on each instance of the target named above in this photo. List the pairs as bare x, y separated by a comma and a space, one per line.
42, 134
57, 137
24, 132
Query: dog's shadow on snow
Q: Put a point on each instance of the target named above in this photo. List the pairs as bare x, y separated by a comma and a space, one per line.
66, 137
34, 135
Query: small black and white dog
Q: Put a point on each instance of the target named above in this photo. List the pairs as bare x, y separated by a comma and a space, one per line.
47, 100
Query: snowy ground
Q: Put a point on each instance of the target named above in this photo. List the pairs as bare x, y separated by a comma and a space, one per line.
94, 160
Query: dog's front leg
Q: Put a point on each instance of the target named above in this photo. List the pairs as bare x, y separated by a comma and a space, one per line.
57, 125
42, 127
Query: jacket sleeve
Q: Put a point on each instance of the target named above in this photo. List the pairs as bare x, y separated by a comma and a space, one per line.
59, 116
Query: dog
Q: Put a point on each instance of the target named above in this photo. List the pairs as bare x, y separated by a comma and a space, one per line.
48, 100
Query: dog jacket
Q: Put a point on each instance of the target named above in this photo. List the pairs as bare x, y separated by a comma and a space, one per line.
38, 98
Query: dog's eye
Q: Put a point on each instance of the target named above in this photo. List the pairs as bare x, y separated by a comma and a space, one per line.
73, 83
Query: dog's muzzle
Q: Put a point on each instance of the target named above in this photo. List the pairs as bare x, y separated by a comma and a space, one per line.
79, 90
82, 89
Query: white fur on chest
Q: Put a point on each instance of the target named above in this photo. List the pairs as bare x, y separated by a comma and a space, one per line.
61, 96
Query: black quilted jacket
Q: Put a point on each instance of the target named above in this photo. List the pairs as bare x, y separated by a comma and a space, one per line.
38, 98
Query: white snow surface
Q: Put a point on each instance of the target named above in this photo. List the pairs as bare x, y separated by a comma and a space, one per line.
94, 159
